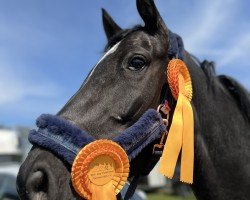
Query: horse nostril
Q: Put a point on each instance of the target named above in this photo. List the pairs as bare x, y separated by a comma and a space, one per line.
39, 181
37, 185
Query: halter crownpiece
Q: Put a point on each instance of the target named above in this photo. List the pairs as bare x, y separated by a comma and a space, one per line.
181, 132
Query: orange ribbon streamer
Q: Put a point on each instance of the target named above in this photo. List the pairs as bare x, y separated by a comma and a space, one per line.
181, 132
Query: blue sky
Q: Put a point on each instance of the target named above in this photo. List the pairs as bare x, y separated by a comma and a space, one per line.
48, 47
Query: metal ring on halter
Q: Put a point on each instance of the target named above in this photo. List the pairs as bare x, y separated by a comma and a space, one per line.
159, 107
165, 121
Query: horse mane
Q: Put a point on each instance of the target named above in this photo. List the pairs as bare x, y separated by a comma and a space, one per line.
236, 90
209, 70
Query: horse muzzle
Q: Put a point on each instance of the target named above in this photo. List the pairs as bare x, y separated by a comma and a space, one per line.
111, 158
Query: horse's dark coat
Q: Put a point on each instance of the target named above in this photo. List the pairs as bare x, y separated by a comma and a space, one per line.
115, 97
175, 49
240, 94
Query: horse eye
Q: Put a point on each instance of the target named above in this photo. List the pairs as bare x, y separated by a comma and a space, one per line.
137, 63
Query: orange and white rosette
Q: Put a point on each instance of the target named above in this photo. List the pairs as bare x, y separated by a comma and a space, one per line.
181, 132
100, 170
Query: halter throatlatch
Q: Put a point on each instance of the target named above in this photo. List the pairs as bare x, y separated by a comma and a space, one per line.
181, 132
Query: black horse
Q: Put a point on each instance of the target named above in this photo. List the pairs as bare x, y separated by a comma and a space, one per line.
129, 79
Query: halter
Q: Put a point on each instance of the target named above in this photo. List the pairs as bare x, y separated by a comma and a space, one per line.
66, 140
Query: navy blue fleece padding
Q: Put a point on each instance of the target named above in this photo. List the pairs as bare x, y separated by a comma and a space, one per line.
146, 130
65, 139
59, 136
53, 145
176, 46
60, 126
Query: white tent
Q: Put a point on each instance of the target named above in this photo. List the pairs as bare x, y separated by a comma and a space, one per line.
9, 143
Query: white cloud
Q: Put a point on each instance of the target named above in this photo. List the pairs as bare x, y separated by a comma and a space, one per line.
210, 22
14, 87
239, 50
18, 79
213, 38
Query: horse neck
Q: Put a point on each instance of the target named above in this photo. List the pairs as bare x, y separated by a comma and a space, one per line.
222, 140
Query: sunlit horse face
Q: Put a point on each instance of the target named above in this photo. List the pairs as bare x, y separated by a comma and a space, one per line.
124, 83
129, 79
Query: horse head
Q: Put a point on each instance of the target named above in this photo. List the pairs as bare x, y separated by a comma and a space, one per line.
128, 80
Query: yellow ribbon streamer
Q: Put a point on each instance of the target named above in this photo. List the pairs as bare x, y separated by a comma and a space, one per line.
181, 132
105, 192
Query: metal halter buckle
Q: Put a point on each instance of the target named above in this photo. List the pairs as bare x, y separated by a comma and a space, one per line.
164, 110
158, 148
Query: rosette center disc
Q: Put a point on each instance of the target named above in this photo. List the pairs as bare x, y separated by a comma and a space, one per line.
101, 170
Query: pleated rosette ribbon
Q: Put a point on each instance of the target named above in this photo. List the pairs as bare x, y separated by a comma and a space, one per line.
100, 170
181, 132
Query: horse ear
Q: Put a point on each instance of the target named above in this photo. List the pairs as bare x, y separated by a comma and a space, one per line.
109, 25
150, 15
